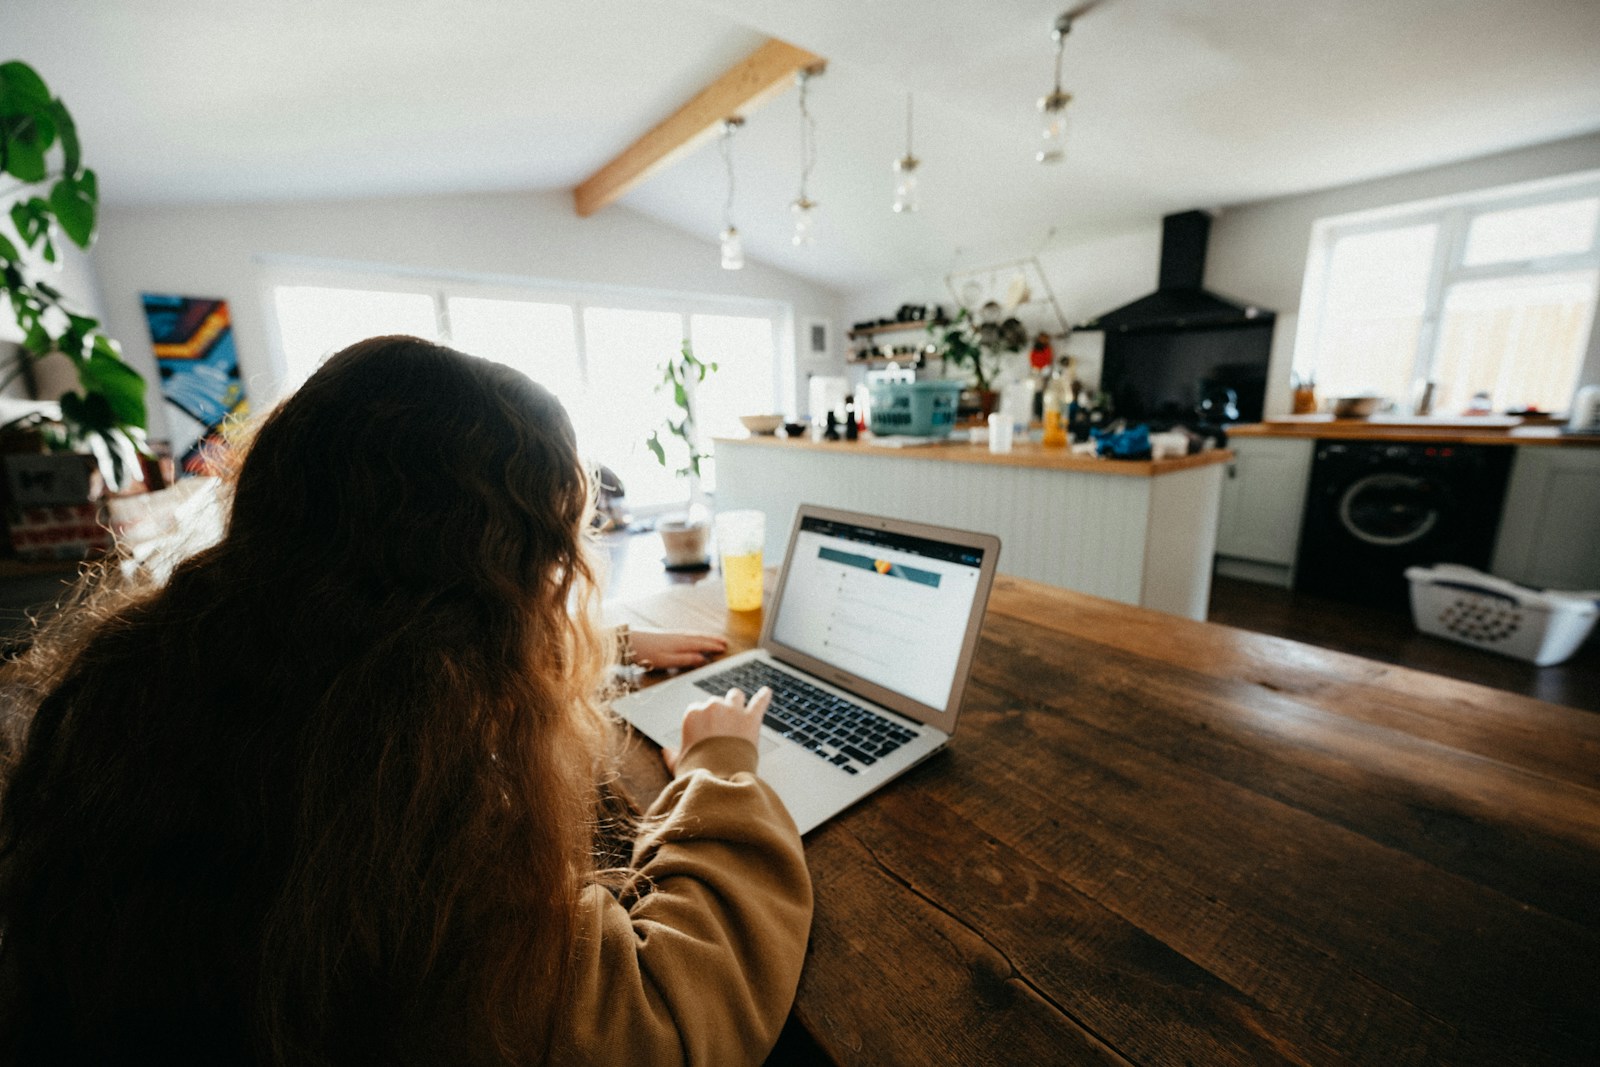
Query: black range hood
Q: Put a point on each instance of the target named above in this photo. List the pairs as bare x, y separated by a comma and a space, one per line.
1179, 302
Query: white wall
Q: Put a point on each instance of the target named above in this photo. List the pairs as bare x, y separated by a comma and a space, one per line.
217, 251
1088, 277
1257, 253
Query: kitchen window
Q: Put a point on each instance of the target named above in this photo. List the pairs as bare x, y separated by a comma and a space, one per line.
1491, 298
597, 351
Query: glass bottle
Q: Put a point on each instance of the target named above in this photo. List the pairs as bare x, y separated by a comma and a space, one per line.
1055, 400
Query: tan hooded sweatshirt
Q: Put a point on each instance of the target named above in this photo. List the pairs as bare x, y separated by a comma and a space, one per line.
702, 967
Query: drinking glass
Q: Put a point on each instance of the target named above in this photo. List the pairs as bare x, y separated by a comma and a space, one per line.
740, 535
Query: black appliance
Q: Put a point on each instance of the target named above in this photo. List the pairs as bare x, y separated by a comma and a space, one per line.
1375, 508
1182, 355
1169, 376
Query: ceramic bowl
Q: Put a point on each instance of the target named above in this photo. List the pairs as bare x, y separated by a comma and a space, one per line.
1355, 407
762, 424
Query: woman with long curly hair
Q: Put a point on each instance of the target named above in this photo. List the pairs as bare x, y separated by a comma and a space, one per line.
336, 791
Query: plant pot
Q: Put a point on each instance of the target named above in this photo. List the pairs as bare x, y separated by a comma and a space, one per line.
978, 403
685, 544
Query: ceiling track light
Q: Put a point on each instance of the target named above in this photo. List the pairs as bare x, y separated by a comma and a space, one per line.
1053, 105
905, 170
803, 207
729, 243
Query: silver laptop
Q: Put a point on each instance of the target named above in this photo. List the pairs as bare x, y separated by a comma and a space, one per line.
867, 644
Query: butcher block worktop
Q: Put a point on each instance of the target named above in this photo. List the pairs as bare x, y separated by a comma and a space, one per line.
1488, 430
1023, 454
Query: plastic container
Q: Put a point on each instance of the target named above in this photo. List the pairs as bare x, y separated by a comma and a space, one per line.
1461, 604
918, 409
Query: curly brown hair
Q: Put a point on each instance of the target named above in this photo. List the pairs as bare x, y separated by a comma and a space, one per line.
327, 795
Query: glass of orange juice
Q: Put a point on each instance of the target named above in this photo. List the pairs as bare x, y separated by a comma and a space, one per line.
740, 535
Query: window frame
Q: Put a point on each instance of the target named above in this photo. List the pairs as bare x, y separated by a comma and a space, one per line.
1453, 217
278, 272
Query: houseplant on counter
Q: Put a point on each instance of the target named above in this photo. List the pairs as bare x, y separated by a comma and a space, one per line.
53, 194
684, 538
977, 347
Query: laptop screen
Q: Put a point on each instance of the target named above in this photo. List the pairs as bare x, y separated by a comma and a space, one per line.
889, 608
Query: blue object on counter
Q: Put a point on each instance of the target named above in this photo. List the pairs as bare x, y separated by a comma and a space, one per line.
917, 409
1129, 444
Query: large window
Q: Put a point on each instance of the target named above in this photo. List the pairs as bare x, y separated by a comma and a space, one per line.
599, 353
1491, 298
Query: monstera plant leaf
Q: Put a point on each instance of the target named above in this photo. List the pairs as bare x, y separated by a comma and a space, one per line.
59, 196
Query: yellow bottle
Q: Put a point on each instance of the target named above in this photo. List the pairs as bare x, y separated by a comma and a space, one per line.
1055, 430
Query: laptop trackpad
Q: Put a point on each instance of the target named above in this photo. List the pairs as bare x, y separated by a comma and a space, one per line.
765, 747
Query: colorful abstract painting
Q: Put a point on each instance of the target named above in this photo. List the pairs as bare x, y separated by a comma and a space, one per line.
194, 350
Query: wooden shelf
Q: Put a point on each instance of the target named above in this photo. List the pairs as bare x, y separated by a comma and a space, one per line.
917, 360
891, 327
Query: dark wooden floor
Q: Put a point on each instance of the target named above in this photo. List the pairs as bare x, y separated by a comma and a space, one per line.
1392, 638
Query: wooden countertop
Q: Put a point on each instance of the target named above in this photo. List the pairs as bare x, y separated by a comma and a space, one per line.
1486, 431
1153, 840
1023, 454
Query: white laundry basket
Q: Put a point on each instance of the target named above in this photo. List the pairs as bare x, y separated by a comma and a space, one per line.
1466, 605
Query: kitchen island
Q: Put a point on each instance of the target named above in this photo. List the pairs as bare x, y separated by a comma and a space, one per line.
1140, 532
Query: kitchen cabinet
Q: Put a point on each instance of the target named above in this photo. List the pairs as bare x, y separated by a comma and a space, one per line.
1263, 497
1550, 528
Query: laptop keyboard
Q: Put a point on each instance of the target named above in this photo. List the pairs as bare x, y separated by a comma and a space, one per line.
829, 726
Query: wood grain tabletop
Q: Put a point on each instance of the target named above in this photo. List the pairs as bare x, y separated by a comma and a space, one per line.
1157, 841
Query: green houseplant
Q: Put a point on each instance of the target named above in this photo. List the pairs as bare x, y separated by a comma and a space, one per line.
683, 538
977, 348
52, 194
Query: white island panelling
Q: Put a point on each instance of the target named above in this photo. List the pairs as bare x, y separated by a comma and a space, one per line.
1141, 538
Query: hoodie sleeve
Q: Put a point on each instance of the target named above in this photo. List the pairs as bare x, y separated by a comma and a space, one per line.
702, 966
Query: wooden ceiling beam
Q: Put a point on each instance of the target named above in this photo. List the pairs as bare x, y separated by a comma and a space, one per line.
751, 82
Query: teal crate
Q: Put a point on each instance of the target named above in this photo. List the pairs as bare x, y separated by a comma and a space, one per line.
917, 409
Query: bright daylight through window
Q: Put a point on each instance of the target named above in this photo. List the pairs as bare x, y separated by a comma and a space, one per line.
598, 355
1490, 298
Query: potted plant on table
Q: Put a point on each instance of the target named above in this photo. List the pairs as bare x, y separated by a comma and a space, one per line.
53, 193
684, 537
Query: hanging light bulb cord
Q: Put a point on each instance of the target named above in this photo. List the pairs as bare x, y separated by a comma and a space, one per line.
909, 153
1063, 28
727, 163
808, 138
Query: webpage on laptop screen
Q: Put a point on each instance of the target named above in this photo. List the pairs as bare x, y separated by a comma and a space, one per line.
889, 608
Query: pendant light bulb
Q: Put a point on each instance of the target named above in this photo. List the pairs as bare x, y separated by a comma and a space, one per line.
805, 221
732, 247
905, 184
905, 172
1053, 105
1053, 133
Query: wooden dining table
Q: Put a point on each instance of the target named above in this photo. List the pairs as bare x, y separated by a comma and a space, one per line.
1159, 841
